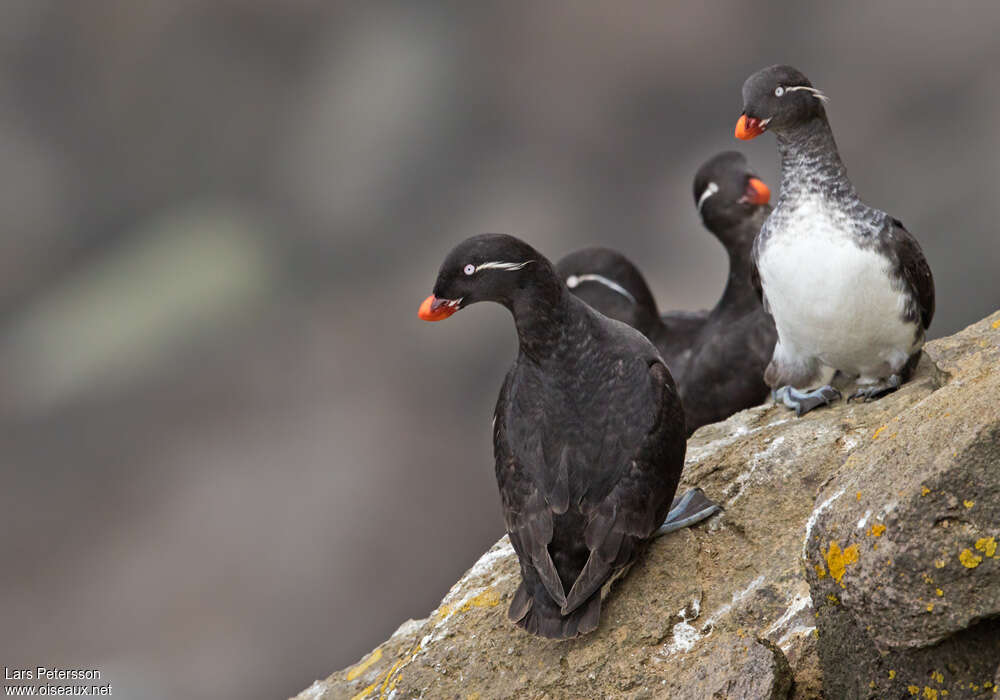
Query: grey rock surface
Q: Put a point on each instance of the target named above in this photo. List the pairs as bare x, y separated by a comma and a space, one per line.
812, 583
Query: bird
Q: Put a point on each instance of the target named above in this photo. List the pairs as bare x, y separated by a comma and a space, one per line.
849, 288
588, 433
724, 372
717, 357
611, 283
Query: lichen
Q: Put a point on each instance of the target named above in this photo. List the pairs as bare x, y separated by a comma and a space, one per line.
877, 529
364, 664
987, 545
968, 559
837, 561
879, 431
968, 503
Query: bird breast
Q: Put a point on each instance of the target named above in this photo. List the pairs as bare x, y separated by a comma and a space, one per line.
831, 295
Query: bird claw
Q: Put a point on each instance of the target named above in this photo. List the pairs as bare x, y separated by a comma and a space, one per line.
805, 401
876, 391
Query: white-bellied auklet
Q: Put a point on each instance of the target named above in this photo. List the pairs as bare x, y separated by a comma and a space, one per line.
588, 433
717, 357
848, 286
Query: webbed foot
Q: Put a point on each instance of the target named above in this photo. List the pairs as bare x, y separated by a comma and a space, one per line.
877, 391
693, 507
805, 401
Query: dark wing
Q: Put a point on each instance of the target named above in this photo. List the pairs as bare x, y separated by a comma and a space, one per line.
911, 266
755, 273
526, 511
634, 506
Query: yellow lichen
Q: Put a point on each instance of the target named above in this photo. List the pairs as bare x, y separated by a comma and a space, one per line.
364, 693
939, 563
832, 598
364, 664
939, 592
892, 674
968, 559
879, 432
930, 607
968, 504
928, 579
987, 545
914, 690
937, 676
877, 529
487, 599
930, 693
996, 324
820, 571
924, 490
837, 561
859, 495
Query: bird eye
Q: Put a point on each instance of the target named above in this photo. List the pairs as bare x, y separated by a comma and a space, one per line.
469, 269
779, 91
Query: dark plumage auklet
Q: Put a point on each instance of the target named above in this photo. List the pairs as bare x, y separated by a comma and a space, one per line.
612, 284
848, 286
717, 357
588, 433
725, 370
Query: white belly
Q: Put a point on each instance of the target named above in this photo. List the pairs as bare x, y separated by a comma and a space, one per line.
834, 301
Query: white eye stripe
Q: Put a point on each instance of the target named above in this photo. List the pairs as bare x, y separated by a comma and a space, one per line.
711, 189
573, 281
816, 93
496, 265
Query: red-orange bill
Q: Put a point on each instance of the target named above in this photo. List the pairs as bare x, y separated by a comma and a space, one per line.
748, 128
757, 192
434, 309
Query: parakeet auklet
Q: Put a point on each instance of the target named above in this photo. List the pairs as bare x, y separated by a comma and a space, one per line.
717, 357
588, 433
848, 286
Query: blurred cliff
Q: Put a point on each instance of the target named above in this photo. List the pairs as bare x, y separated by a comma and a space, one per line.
217, 404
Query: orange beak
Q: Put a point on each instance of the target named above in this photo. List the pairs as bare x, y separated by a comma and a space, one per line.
748, 128
757, 192
434, 309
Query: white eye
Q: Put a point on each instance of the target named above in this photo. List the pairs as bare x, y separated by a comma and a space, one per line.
469, 269
779, 91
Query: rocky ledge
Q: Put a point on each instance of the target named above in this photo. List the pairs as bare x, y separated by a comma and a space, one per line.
856, 558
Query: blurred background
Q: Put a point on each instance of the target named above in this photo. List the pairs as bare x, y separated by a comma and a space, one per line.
233, 459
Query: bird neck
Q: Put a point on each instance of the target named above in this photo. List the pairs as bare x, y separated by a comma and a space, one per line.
739, 246
541, 317
810, 162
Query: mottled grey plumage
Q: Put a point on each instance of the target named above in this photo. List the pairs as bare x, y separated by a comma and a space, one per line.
849, 288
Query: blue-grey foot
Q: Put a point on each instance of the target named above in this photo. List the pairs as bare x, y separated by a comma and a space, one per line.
877, 391
693, 507
805, 401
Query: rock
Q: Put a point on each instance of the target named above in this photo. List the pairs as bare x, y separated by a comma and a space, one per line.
790, 591
903, 563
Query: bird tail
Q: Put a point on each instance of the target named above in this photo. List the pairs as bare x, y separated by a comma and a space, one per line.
535, 611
